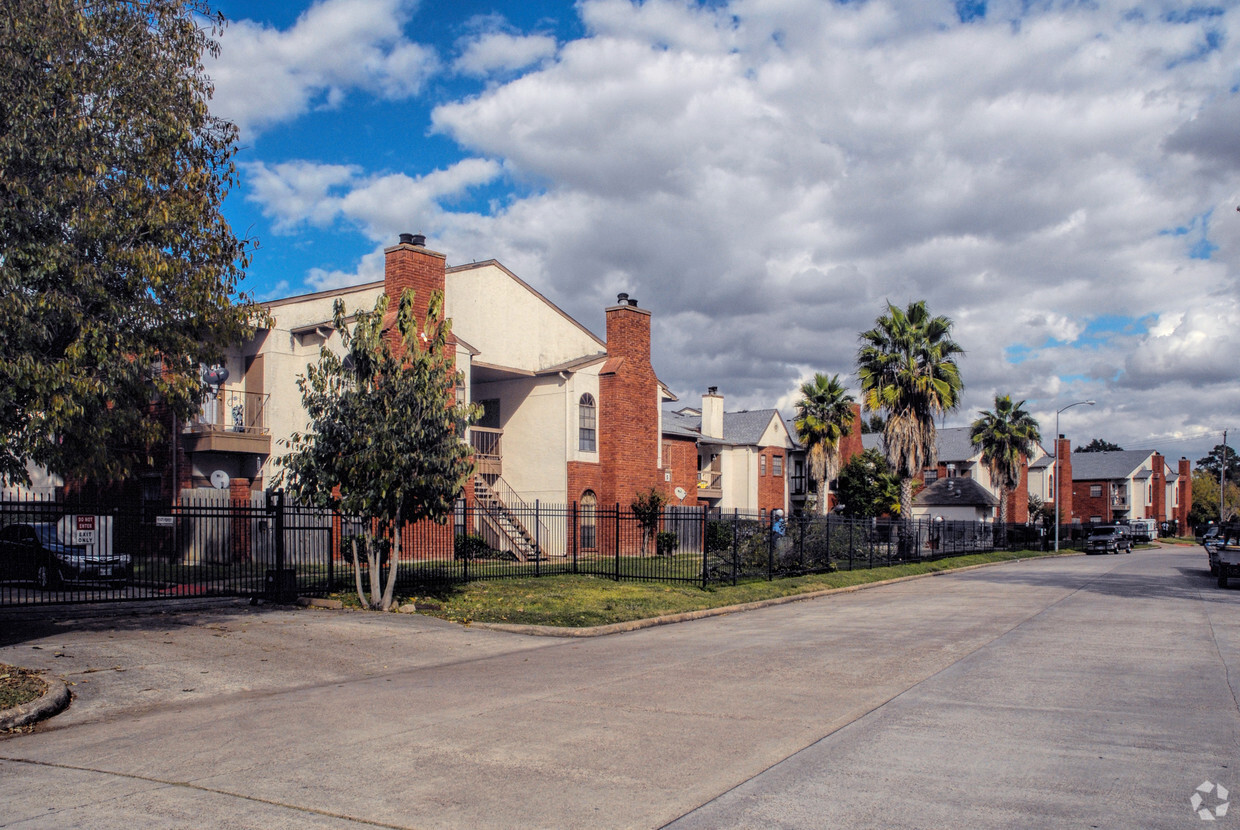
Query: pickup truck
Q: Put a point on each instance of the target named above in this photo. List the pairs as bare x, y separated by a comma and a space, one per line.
1228, 555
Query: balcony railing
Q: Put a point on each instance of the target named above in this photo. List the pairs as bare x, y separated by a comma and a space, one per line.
798, 485
1119, 499
710, 484
488, 450
232, 411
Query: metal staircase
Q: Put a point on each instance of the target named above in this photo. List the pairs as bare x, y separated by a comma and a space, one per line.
500, 509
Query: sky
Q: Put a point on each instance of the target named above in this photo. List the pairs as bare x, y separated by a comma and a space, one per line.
1060, 179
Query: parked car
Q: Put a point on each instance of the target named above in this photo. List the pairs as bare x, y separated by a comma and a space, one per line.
36, 552
1211, 533
1108, 539
1226, 556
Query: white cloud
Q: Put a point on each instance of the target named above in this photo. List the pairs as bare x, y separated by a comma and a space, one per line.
764, 176
502, 52
265, 75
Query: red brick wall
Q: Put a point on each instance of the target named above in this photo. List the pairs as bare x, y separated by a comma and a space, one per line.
582, 476
680, 460
1018, 499
1088, 506
771, 487
850, 442
628, 409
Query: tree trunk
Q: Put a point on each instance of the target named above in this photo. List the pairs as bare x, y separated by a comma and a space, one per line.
389, 590
362, 599
822, 497
373, 557
906, 498
1003, 506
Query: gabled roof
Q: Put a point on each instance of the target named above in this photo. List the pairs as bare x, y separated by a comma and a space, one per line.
954, 444
1093, 466
739, 428
748, 427
955, 492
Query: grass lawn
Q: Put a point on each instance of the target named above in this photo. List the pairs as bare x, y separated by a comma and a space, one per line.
18, 686
579, 601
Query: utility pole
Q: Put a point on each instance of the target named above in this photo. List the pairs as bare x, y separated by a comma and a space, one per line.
1222, 482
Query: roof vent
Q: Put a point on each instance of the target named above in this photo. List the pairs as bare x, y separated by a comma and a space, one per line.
621, 299
711, 390
413, 239
633, 303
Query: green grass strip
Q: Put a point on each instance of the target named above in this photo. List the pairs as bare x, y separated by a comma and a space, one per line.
582, 601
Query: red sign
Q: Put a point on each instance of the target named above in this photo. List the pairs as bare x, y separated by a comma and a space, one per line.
85, 522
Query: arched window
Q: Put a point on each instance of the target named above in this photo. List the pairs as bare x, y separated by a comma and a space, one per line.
587, 424
589, 525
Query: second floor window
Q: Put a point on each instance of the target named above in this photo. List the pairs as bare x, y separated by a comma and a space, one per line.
777, 465
762, 465
587, 432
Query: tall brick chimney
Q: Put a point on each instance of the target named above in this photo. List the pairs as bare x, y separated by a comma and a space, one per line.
1184, 484
628, 406
410, 264
1157, 508
1063, 479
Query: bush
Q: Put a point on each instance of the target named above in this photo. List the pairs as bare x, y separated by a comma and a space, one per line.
665, 543
718, 536
472, 547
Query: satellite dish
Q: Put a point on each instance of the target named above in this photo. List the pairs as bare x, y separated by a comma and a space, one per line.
680, 493
220, 480
216, 375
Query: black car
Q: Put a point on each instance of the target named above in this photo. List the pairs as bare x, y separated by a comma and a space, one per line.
1108, 539
36, 552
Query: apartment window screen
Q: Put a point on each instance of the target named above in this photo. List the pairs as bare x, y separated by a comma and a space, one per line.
777, 465
1095, 490
587, 430
762, 465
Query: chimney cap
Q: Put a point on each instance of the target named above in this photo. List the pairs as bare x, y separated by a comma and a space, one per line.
622, 298
712, 390
413, 239
633, 303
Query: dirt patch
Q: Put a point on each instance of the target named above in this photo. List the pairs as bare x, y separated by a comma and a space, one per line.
18, 686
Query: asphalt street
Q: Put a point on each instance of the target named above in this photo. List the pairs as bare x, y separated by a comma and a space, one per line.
1069, 692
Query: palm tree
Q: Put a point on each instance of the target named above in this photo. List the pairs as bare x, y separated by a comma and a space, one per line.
907, 366
1006, 437
824, 414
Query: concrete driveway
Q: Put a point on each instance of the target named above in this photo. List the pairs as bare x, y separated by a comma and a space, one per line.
1076, 691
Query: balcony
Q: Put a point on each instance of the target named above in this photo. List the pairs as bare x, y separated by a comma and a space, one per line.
1119, 498
233, 421
488, 450
797, 485
710, 484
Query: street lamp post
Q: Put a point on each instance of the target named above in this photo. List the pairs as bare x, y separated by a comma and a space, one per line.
1058, 488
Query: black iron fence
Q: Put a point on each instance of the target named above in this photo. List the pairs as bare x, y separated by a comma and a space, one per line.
208, 545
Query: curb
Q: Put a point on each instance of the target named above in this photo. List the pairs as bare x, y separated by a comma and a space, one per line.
53, 701
686, 616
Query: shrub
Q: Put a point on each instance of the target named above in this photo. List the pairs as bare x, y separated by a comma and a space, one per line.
666, 542
718, 536
472, 547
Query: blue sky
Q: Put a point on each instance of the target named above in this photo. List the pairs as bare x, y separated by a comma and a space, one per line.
1059, 178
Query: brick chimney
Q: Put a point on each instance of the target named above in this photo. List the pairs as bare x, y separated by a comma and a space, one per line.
1063, 479
1157, 508
628, 406
1184, 484
410, 264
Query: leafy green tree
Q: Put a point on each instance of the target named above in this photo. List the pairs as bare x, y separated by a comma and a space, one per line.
1215, 460
648, 508
119, 274
907, 367
872, 425
1099, 445
385, 435
1205, 507
1039, 513
824, 415
866, 486
1006, 437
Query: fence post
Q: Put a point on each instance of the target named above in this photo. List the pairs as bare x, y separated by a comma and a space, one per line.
331, 551
576, 531
277, 505
736, 542
617, 541
770, 551
537, 542
702, 521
